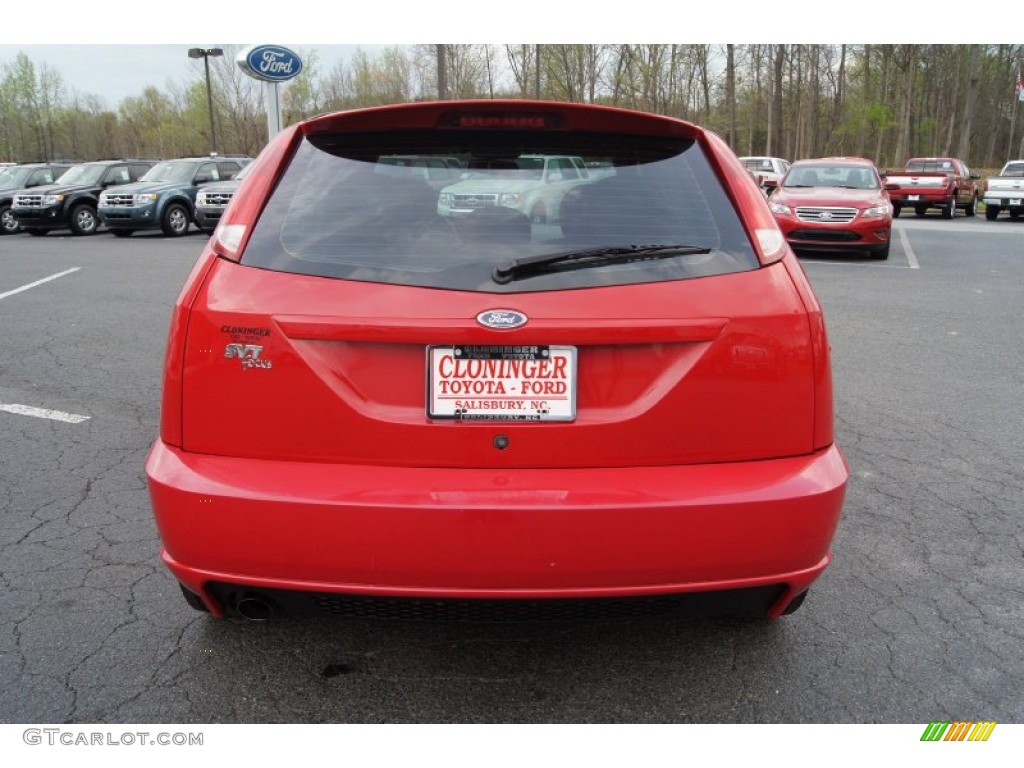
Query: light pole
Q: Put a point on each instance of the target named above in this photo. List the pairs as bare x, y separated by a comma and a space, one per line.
205, 54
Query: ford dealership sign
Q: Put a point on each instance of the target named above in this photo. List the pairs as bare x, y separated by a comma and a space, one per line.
272, 63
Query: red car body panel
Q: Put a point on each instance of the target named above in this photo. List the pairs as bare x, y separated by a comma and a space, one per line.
701, 456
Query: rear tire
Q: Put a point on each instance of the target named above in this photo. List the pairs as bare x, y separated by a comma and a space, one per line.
972, 207
949, 211
992, 212
896, 208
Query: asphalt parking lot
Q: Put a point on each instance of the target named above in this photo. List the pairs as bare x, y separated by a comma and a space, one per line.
919, 618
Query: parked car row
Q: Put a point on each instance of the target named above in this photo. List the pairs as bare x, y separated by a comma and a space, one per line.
125, 195
845, 204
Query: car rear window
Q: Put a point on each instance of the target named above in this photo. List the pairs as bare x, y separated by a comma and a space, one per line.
344, 208
930, 166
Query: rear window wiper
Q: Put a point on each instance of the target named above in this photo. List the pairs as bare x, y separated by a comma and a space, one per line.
590, 257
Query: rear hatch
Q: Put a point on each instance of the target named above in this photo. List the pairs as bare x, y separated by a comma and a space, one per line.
360, 327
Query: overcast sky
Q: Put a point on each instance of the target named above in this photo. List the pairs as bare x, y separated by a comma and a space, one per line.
114, 72
117, 56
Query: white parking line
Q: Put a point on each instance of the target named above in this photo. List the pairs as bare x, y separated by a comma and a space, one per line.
872, 264
39, 282
907, 249
905, 242
43, 413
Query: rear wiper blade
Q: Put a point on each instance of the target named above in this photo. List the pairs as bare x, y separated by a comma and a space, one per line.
590, 257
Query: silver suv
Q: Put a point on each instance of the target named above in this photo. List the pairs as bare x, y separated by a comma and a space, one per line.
531, 184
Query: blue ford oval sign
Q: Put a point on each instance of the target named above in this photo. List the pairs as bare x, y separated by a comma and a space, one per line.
501, 318
273, 63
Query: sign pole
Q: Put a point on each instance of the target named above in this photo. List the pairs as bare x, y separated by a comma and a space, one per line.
272, 100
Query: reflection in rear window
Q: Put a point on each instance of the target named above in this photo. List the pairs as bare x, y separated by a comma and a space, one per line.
346, 209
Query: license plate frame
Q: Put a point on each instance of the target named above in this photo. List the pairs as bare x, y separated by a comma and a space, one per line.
501, 383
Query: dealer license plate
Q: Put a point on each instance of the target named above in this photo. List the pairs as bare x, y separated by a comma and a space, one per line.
913, 197
501, 383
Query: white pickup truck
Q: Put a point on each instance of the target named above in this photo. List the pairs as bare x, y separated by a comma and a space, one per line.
1005, 191
766, 169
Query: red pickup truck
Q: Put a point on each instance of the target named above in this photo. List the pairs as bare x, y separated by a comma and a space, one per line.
934, 182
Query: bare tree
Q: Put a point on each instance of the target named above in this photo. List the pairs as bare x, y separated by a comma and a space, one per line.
442, 72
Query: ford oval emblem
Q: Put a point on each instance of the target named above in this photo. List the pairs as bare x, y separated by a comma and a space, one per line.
501, 318
273, 63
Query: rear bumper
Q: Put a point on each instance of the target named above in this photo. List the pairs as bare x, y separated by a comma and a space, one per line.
910, 198
396, 532
1004, 199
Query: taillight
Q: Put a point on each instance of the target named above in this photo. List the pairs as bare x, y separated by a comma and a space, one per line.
515, 119
771, 243
174, 357
235, 227
824, 417
227, 240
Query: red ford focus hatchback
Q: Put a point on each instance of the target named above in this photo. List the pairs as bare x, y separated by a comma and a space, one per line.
392, 395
